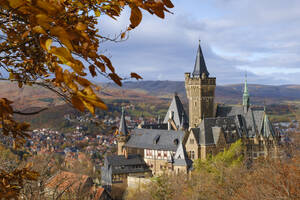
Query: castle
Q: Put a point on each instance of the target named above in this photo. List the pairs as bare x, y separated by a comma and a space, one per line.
173, 145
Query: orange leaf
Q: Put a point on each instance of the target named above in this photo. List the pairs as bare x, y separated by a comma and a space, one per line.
77, 103
25, 34
101, 66
115, 78
168, 3
135, 75
123, 35
92, 70
108, 63
135, 17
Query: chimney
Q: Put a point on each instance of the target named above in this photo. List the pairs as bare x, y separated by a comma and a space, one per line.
169, 125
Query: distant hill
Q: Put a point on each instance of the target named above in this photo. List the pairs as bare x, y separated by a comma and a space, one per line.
224, 93
152, 92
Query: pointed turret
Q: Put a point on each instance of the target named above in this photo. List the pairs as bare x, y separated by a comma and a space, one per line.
123, 127
246, 96
200, 66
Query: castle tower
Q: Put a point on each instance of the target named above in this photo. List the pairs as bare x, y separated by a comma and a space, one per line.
246, 97
200, 89
123, 133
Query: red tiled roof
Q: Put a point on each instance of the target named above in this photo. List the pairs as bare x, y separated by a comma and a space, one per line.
67, 181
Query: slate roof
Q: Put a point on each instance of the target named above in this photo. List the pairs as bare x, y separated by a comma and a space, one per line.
119, 160
209, 130
179, 113
200, 66
252, 120
155, 139
121, 165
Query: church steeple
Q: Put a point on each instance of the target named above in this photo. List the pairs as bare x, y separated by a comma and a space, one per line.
200, 66
123, 127
246, 96
123, 134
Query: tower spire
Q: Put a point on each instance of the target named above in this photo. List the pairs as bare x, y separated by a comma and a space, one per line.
200, 66
246, 96
123, 127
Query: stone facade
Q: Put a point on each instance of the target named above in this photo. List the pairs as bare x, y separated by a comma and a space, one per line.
200, 93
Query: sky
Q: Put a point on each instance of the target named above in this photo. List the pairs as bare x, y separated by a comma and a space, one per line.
261, 37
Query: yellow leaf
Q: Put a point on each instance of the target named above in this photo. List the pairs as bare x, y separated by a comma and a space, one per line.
48, 44
89, 106
50, 8
82, 81
80, 26
59, 74
100, 104
62, 53
63, 36
16, 3
39, 29
97, 13
43, 20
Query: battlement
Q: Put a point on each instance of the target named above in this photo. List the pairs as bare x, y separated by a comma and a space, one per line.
190, 80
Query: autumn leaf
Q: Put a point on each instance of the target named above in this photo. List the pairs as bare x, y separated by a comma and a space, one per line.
81, 27
101, 66
48, 44
115, 78
108, 63
92, 70
123, 35
168, 3
77, 103
135, 16
39, 29
135, 75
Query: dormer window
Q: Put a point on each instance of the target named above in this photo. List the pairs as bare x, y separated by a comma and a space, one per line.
176, 141
156, 139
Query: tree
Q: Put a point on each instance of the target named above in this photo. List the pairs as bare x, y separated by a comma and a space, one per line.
55, 44
216, 165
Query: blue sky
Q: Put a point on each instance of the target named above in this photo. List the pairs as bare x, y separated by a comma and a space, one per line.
260, 36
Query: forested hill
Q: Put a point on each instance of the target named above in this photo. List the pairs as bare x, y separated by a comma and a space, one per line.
224, 93
153, 91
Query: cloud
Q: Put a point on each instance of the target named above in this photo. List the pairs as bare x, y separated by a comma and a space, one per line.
260, 35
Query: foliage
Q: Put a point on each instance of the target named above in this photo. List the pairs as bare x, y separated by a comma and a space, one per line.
162, 188
215, 165
54, 44
50, 40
